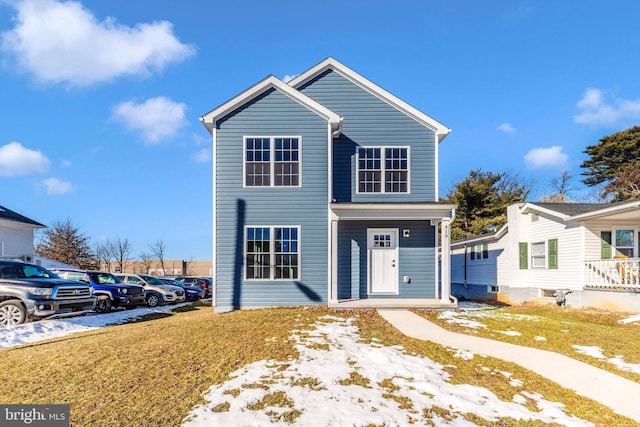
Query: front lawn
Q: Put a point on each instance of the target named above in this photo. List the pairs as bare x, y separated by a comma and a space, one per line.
596, 337
155, 371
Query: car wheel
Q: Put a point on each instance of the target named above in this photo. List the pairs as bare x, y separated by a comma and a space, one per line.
103, 304
154, 300
12, 313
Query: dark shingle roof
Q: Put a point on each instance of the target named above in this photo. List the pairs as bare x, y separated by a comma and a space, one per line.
572, 209
10, 215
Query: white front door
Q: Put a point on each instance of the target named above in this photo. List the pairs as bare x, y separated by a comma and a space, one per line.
382, 246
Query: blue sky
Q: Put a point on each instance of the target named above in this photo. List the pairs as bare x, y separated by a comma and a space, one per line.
100, 99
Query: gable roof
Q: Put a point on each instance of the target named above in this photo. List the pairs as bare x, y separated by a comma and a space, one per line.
9, 215
271, 82
570, 212
330, 63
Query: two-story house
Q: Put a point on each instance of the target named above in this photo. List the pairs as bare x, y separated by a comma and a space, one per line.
325, 192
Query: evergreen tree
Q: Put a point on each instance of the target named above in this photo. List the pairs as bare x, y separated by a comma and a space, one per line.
482, 199
615, 156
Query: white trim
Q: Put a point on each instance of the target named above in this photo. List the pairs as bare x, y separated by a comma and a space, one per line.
271, 82
617, 208
545, 254
383, 169
214, 252
398, 211
440, 130
272, 253
272, 161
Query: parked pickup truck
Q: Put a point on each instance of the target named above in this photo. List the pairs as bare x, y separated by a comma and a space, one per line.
28, 291
108, 289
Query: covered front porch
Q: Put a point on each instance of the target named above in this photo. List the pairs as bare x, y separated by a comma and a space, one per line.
620, 273
384, 255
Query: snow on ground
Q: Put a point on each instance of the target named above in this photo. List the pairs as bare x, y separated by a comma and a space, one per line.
618, 361
471, 315
54, 328
339, 380
631, 319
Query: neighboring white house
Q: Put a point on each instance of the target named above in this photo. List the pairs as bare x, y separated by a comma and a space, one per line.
590, 252
16, 235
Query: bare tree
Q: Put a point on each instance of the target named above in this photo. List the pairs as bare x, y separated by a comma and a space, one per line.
147, 262
627, 182
561, 186
64, 242
103, 256
121, 253
158, 250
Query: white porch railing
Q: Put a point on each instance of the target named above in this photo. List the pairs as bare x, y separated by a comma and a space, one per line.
623, 273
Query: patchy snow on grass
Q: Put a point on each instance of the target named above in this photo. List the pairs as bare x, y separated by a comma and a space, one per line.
537, 338
510, 333
617, 361
339, 380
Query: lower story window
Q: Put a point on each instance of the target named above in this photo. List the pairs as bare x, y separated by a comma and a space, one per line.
538, 255
272, 253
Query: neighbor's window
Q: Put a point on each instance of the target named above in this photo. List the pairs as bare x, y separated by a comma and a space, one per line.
383, 170
480, 251
272, 161
623, 243
538, 255
277, 244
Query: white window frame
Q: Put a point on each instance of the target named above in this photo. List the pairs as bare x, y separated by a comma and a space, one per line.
272, 160
477, 252
614, 241
272, 253
533, 256
493, 289
383, 181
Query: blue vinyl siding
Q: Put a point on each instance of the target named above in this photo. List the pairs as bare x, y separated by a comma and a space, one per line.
271, 114
417, 258
369, 121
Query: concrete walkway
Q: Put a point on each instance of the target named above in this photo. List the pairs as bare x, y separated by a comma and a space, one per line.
619, 394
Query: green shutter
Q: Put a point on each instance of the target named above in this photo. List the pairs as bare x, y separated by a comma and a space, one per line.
605, 245
552, 249
524, 255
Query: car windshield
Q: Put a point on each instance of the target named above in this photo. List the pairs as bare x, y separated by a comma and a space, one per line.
152, 280
105, 278
25, 271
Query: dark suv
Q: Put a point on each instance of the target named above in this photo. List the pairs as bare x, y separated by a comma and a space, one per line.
109, 290
198, 282
28, 291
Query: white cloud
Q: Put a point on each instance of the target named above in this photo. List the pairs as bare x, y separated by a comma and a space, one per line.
595, 109
551, 157
56, 186
287, 78
16, 160
155, 118
507, 128
63, 42
202, 156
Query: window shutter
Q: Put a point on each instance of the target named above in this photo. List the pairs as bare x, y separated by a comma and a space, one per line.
524, 255
473, 252
552, 248
485, 250
605, 245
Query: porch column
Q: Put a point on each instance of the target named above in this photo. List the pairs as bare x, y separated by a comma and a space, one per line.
445, 261
333, 262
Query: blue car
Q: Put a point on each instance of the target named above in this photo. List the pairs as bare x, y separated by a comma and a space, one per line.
191, 293
109, 290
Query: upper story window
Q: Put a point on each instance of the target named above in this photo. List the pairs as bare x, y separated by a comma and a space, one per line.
272, 161
480, 251
383, 170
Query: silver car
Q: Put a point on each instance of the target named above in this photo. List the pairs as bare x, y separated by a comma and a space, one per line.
156, 291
